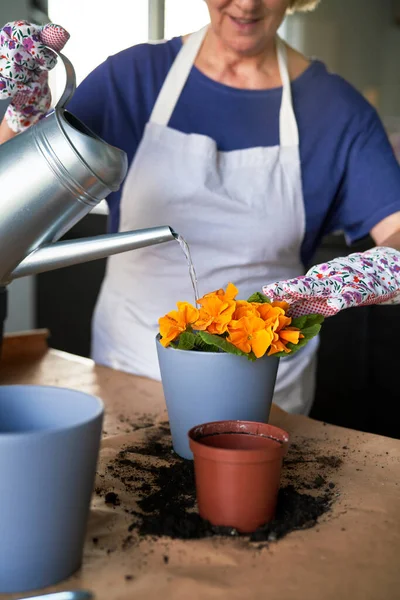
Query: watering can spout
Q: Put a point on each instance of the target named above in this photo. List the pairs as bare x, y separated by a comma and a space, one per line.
66, 254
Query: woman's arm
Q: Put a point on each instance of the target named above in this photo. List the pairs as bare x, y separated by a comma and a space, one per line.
369, 202
387, 232
360, 279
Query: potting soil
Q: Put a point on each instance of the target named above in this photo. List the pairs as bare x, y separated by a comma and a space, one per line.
164, 488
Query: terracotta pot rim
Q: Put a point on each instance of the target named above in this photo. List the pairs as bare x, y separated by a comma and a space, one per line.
205, 354
239, 455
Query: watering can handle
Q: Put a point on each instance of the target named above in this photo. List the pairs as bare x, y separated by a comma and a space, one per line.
70, 85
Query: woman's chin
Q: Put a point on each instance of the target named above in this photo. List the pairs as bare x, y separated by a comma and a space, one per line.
246, 45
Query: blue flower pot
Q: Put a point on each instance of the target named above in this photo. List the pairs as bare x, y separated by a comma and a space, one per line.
200, 387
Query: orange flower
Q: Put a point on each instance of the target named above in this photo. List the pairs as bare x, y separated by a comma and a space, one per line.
228, 296
282, 337
250, 334
281, 304
290, 334
214, 315
216, 310
258, 327
283, 323
277, 346
274, 316
176, 321
245, 309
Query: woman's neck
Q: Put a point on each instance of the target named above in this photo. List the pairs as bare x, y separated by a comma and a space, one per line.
255, 72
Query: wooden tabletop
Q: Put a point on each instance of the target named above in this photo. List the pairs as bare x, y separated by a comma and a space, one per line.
352, 553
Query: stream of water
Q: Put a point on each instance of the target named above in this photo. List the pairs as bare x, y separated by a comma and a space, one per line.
192, 273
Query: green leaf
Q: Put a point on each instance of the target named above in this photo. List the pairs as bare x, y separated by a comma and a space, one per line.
314, 320
310, 326
186, 341
283, 354
299, 322
189, 340
306, 321
220, 343
202, 346
259, 297
308, 332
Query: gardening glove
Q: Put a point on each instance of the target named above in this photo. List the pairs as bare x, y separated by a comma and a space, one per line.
363, 278
24, 65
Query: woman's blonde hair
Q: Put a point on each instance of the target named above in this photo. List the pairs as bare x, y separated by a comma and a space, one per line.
302, 5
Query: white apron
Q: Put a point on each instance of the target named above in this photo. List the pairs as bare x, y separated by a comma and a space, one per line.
241, 212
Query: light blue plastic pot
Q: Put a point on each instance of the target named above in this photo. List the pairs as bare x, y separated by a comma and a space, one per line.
200, 387
49, 446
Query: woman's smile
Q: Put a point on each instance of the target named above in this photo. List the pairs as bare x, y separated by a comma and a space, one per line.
245, 25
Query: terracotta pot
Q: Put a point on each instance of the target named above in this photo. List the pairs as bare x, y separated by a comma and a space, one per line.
237, 467
200, 387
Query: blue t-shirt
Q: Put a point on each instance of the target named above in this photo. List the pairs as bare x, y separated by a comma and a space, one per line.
350, 176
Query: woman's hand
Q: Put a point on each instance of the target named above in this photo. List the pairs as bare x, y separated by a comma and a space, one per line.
25, 61
363, 278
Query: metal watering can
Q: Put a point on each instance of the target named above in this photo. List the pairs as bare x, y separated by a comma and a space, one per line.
51, 176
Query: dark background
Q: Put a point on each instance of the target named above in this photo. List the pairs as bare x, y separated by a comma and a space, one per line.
358, 360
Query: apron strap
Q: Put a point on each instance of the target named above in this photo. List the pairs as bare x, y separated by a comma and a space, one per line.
179, 72
289, 133
176, 78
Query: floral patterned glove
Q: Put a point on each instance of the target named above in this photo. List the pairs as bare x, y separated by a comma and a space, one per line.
363, 278
24, 64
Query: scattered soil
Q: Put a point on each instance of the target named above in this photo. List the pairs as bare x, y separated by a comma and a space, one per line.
330, 461
164, 489
294, 511
141, 422
112, 498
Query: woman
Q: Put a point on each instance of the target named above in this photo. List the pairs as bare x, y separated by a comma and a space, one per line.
247, 149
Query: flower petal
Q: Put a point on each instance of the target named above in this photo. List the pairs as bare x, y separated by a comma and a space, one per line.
240, 341
281, 304
291, 334
169, 329
261, 342
244, 308
189, 313
231, 292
